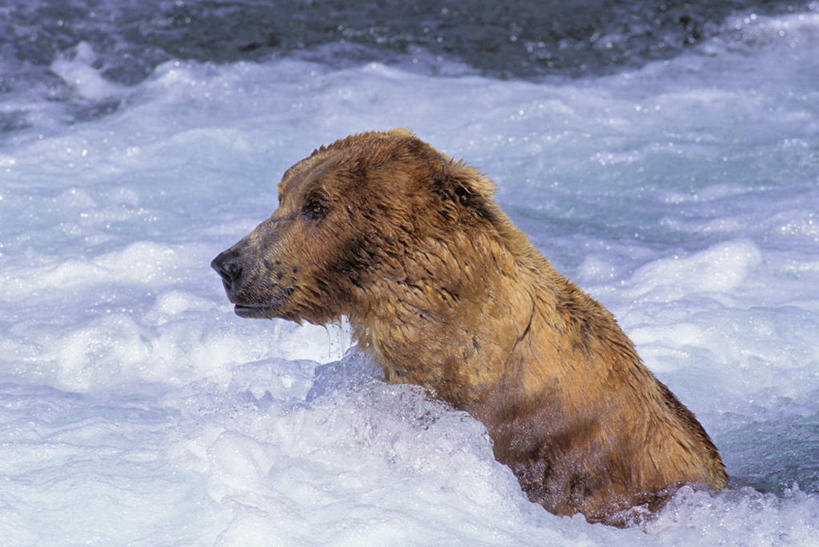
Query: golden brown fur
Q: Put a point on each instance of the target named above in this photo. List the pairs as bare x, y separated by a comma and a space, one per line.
446, 293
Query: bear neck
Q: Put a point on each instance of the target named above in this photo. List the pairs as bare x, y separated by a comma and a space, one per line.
455, 315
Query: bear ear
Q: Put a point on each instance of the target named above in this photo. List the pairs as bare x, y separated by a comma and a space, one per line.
401, 132
465, 196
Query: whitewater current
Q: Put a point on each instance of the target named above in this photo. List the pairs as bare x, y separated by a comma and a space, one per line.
669, 167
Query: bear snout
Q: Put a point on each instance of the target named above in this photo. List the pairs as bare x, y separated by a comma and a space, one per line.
258, 288
229, 267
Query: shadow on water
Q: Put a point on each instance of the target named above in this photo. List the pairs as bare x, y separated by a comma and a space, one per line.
519, 38
515, 39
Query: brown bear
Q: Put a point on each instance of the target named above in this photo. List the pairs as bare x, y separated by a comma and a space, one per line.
444, 292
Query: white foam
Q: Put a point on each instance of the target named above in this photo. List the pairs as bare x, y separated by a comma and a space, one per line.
718, 270
79, 73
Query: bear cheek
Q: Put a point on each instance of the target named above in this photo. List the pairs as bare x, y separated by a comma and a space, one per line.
318, 266
320, 295
295, 291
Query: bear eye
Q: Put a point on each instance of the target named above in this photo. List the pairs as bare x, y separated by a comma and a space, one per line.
315, 208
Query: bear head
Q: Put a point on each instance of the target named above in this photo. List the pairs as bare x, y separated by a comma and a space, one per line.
350, 215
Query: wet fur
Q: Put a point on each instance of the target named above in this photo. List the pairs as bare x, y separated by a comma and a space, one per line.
446, 293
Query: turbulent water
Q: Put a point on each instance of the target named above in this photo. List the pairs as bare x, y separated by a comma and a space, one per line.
664, 156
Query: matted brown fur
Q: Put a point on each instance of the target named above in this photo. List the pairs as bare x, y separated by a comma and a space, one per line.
446, 293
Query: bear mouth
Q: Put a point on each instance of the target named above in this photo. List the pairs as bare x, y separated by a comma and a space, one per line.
267, 308
254, 312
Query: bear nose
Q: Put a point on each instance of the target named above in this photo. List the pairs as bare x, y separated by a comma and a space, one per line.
228, 267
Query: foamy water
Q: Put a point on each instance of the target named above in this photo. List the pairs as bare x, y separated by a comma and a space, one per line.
136, 408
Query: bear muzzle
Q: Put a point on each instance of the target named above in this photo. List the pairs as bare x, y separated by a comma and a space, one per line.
250, 299
229, 267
